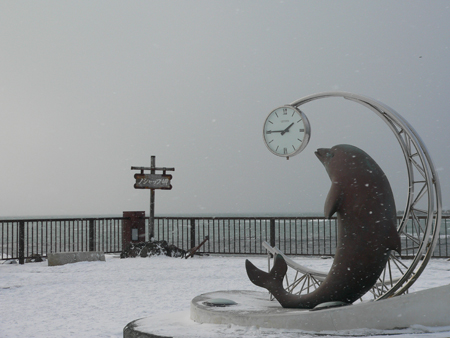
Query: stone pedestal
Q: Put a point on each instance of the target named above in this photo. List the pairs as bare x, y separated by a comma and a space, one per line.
427, 308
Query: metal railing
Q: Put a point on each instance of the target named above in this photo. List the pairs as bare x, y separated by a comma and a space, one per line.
315, 236
21, 239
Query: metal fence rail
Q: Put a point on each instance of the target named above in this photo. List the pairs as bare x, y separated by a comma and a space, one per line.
296, 236
20, 239
292, 235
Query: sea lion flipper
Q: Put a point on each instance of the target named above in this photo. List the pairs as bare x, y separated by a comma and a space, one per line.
256, 276
333, 200
272, 280
394, 242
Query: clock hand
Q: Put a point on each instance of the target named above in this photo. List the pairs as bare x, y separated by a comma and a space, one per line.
275, 131
287, 129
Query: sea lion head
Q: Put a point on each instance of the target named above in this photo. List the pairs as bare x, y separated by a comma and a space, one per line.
343, 159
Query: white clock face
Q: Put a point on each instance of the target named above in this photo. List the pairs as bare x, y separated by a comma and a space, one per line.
286, 131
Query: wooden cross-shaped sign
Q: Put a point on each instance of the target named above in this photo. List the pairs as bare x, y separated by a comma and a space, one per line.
152, 181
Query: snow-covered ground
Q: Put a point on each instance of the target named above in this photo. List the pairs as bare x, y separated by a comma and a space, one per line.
97, 299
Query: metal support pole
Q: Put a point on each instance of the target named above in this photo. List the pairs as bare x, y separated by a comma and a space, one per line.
192, 232
21, 242
151, 225
91, 235
272, 232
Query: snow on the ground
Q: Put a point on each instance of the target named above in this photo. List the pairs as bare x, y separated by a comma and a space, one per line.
97, 299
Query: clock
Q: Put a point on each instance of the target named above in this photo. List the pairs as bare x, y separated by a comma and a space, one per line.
286, 131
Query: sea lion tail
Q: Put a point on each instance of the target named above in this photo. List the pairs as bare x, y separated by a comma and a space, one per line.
273, 280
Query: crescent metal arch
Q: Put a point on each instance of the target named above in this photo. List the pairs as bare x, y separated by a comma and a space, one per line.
423, 185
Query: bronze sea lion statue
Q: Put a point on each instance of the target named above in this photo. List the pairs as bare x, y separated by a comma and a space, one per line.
362, 198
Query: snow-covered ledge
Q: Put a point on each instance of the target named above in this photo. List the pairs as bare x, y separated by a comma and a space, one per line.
61, 258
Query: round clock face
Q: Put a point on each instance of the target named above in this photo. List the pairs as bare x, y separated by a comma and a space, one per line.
286, 131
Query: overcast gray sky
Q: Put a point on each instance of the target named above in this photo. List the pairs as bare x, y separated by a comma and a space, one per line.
90, 88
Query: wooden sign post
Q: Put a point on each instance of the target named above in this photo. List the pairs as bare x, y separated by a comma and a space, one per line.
152, 181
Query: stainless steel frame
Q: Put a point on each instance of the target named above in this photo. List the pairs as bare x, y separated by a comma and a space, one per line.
423, 184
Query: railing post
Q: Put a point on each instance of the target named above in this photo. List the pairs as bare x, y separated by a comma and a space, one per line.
21, 242
192, 232
91, 235
272, 232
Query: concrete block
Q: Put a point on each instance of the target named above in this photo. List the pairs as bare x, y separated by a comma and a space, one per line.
61, 258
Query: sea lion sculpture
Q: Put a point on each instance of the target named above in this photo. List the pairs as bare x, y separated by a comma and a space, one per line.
361, 196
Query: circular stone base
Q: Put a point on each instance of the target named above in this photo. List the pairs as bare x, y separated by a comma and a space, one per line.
254, 314
428, 308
